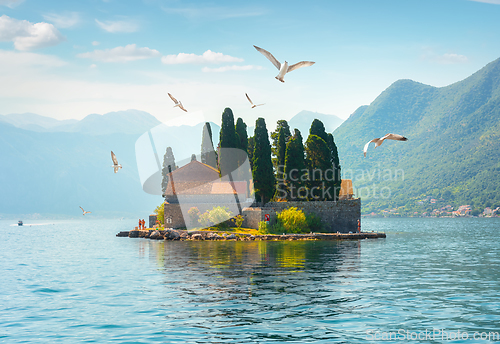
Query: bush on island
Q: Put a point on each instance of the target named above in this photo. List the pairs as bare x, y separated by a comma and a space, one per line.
194, 215
292, 220
159, 211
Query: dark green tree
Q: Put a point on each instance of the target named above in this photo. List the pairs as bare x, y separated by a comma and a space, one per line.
295, 169
250, 148
334, 173
228, 138
335, 165
318, 156
262, 170
168, 160
280, 162
208, 154
275, 137
241, 131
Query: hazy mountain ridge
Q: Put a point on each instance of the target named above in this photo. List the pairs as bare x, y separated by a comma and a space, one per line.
56, 172
453, 142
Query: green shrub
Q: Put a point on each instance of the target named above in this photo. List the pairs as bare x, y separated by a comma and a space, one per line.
160, 211
217, 216
194, 215
293, 220
238, 220
204, 220
263, 227
314, 223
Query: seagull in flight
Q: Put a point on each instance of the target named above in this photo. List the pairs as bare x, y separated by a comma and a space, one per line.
116, 166
379, 141
283, 68
253, 105
177, 103
85, 212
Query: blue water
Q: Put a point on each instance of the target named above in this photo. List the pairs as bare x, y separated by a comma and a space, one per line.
75, 282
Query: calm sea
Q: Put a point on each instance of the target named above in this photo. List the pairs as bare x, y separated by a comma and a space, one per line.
74, 281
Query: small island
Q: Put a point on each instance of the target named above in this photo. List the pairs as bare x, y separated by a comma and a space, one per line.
248, 188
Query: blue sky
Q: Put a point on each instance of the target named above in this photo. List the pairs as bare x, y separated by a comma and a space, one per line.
69, 59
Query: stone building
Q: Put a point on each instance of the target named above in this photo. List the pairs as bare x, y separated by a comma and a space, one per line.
198, 185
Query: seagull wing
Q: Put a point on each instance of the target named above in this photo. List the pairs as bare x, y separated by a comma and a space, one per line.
394, 137
182, 107
249, 99
299, 65
269, 56
172, 97
116, 169
113, 157
260, 104
82, 209
366, 146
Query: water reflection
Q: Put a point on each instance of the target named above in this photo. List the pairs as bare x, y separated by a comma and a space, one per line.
225, 289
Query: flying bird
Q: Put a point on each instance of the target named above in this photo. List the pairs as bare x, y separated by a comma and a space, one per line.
85, 212
379, 141
253, 105
116, 166
177, 103
283, 68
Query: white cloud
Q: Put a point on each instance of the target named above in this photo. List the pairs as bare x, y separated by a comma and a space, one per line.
94, 43
451, 59
494, 2
229, 68
121, 54
63, 20
10, 3
93, 66
118, 26
207, 57
28, 36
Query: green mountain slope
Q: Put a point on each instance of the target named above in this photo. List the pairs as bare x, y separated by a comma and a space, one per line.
452, 154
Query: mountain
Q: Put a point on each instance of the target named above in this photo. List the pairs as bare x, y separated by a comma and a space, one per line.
63, 167
303, 120
34, 122
452, 155
125, 122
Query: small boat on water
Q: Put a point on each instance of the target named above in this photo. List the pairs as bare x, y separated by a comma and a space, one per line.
20, 223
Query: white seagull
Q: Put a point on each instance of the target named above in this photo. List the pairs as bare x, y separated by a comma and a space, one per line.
116, 166
85, 212
379, 141
177, 103
283, 68
253, 105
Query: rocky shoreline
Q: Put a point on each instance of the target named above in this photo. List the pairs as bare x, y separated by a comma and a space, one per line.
173, 234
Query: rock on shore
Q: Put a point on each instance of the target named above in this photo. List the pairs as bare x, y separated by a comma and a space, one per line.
175, 234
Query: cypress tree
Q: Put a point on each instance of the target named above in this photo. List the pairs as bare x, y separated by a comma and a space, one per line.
295, 168
332, 176
228, 161
193, 157
168, 160
262, 170
208, 154
318, 162
250, 148
280, 162
335, 165
275, 137
241, 130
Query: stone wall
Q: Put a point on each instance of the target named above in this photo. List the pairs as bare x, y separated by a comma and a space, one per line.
152, 221
341, 216
254, 215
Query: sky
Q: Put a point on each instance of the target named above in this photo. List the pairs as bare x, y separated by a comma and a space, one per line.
69, 59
